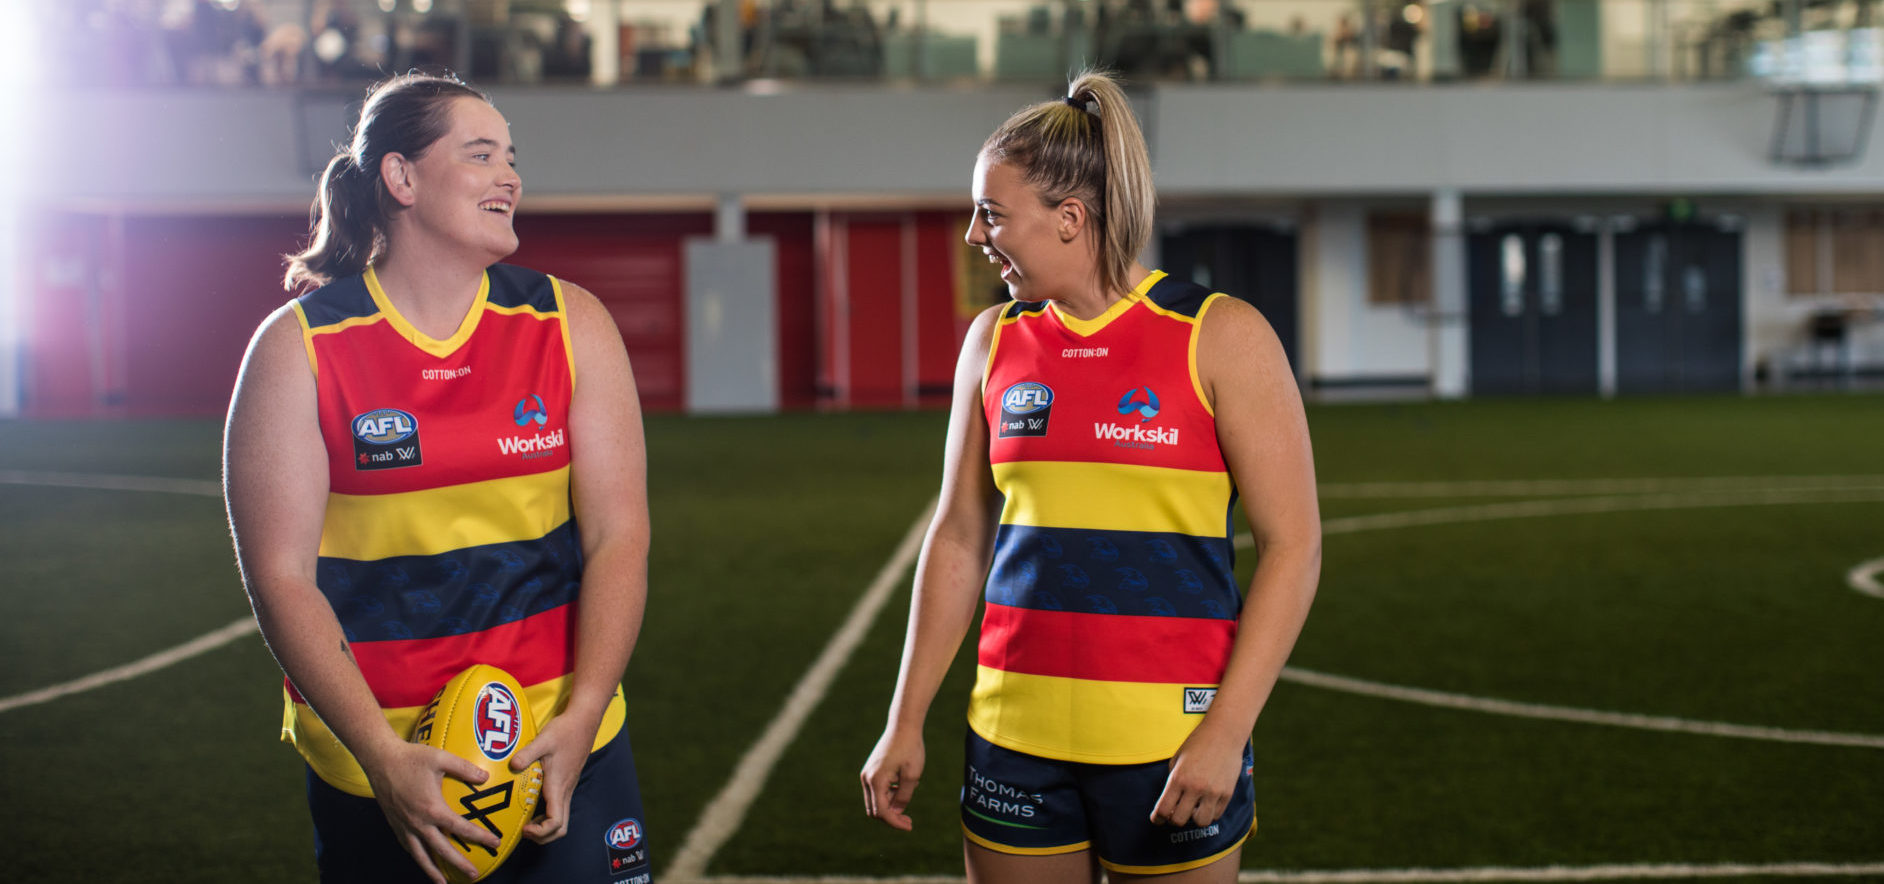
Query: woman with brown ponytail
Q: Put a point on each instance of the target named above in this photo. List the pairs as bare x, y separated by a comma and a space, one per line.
410, 449
1104, 423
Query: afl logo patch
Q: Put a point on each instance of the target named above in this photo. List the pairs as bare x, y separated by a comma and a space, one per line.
625, 835
384, 426
497, 725
1025, 409
1027, 397
627, 852
386, 439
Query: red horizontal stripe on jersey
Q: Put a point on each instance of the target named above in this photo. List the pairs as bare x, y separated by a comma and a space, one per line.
1106, 647
408, 673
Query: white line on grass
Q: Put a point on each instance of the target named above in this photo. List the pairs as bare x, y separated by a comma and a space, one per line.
1609, 872
723, 815
1444, 700
198, 487
1523, 509
1863, 578
1577, 506
200, 645
727, 810
1550, 487
1565, 873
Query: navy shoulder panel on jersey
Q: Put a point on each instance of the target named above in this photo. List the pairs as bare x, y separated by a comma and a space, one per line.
1015, 309
338, 301
1177, 296
513, 286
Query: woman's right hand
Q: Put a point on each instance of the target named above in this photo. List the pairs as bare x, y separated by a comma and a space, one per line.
408, 780
891, 774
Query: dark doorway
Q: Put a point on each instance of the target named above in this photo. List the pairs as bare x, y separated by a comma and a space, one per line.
1252, 262
1533, 309
1678, 308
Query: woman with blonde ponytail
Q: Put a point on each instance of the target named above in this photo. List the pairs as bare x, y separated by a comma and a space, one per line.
1105, 422
412, 445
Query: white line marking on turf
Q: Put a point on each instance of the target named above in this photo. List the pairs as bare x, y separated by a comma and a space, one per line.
200, 645
1523, 509
1564, 873
1549, 487
1578, 506
727, 810
1608, 872
199, 487
1863, 578
1513, 709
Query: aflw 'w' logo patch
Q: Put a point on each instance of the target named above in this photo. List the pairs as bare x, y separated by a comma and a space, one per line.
1197, 700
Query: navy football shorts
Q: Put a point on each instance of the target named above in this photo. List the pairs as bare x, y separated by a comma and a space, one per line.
1023, 804
607, 841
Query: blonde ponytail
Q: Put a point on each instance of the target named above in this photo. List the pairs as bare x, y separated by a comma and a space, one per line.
1087, 146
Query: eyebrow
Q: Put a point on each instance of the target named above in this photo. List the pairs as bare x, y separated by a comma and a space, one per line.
984, 202
487, 142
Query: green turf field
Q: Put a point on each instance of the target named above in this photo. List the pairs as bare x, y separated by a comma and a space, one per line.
1681, 599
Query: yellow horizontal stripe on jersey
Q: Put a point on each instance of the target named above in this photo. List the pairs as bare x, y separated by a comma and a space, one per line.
329, 758
1073, 719
519, 310
342, 325
1113, 497
367, 527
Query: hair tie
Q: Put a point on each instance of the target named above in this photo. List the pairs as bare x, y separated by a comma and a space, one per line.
1076, 103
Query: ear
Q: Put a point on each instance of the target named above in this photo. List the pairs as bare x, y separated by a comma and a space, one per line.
1070, 218
395, 171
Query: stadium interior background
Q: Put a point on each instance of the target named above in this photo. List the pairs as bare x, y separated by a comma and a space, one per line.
1594, 605
1449, 198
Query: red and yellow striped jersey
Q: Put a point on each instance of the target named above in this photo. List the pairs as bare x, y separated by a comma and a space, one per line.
449, 537
1111, 603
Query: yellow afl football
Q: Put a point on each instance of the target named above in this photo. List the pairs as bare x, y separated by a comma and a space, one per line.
481, 716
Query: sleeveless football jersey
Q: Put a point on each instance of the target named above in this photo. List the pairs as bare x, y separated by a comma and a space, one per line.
449, 537
1111, 603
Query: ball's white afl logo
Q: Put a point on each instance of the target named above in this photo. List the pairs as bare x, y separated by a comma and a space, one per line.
496, 721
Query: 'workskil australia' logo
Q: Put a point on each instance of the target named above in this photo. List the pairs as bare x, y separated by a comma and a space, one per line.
529, 412
1144, 403
1141, 401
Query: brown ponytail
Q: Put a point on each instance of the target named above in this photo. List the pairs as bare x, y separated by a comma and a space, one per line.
1087, 146
406, 115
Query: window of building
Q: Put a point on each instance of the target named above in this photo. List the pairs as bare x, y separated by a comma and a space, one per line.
1399, 258
1835, 251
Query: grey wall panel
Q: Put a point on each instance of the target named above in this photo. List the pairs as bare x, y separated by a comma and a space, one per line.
732, 326
247, 146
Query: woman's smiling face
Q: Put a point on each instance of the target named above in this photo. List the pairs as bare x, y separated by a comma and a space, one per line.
1016, 230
